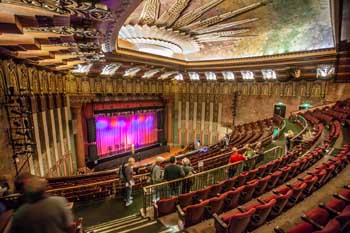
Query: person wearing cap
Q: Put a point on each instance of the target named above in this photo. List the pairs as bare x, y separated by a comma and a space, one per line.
42, 213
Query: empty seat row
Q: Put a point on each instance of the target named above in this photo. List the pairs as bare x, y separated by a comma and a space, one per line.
253, 215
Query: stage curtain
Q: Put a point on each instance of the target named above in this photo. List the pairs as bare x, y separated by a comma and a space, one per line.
116, 134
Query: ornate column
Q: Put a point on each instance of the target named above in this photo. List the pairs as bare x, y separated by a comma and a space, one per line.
79, 136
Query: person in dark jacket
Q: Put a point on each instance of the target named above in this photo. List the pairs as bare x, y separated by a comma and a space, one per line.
173, 172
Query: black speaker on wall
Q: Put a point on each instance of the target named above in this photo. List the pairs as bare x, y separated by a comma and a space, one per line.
91, 130
92, 153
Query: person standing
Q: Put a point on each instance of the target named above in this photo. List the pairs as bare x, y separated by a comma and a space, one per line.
234, 158
156, 170
188, 170
173, 172
42, 213
128, 177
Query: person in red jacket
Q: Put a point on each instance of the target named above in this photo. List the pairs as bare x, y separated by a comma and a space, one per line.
234, 158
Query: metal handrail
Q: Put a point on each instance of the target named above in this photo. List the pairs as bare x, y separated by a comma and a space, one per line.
201, 179
306, 126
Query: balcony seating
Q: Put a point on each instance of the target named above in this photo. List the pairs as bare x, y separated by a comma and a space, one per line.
281, 202
216, 205
233, 222
228, 184
202, 194
261, 186
214, 190
274, 179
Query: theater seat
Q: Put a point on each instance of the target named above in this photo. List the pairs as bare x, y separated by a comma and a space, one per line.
228, 184
164, 207
232, 198
281, 202
202, 194
333, 226
247, 193
261, 186
214, 190
185, 199
241, 179
262, 212
215, 205
192, 214
274, 179
233, 222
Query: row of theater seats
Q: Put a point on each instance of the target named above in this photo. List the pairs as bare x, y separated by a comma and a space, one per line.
249, 189
332, 216
255, 214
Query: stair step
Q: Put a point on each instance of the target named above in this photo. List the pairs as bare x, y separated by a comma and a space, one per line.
119, 228
138, 227
115, 221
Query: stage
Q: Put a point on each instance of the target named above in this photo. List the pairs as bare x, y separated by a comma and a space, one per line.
144, 155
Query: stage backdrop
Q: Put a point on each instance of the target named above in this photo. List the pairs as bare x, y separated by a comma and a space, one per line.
117, 133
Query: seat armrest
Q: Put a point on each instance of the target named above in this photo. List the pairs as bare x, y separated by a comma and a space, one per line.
312, 222
261, 201
309, 173
337, 195
275, 192
300, 179
219, 221
180, 211
330, 210
241, 209
277, 229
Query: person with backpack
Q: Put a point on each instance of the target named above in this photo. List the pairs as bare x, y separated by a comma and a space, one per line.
126, 174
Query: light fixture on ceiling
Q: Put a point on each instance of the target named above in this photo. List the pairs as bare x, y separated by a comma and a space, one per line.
247, 75
325, 71
210, 75
110, 69
132, 71
269, 74
179, 77
150, 73
228, 75
194, 76
82, 69
167, 74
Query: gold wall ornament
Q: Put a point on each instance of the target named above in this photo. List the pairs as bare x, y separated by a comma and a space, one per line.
84, 8
150, 12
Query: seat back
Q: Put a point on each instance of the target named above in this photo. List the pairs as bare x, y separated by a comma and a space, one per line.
261, 171
261, 186
274, 179
238, 222
252, 174
261, 214
281, 201
332, 226
214, 190
232, 198
228, 184
216, 204
165, 206
194, 214
248, 192
202, 194
185, 199
241, 179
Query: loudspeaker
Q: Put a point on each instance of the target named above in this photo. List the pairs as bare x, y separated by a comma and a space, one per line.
91, 130
92, 153
279, 109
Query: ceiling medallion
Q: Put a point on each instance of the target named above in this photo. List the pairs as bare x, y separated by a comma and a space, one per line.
173, 32
87, 9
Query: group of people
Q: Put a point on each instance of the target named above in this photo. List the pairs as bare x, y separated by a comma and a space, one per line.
171, 172
249, 153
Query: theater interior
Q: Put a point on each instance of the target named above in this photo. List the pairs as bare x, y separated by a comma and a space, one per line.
88, 84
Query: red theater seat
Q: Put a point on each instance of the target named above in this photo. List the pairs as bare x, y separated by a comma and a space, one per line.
261, 186
261, 214
228, 184
233, 222
241, 179
214, 190
281, 202
247, 193
274, 179
232, 198
185, 199
165, 207
192, 214
202, 194
216, 205
332, 227
252, 174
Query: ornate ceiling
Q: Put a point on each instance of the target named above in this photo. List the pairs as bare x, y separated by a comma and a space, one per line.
111, 37
194, 30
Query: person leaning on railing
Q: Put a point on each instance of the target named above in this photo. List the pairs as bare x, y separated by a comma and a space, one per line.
173, 172
234, 158
188, 170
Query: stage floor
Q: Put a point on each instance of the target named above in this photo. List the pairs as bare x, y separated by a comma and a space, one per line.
167, 155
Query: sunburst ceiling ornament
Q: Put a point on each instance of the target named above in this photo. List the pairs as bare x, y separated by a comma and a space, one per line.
175, 33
